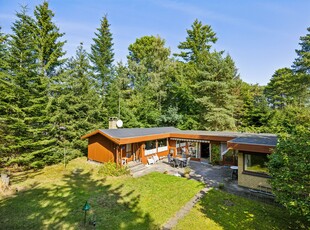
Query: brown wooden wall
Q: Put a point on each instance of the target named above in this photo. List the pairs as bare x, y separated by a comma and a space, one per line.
101, 149
250, 148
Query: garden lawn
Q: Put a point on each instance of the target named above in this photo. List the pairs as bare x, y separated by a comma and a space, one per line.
221, 210
53, 198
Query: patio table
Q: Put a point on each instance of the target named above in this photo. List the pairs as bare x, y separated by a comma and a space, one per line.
234, 171
180, 161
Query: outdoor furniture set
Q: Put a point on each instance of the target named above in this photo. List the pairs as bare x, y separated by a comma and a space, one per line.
178, 161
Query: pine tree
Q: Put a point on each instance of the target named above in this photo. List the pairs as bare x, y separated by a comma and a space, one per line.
102, 56
302, 62
198, 42
211, 77
7, 106
48, 48
23, 78
280, 91
74, 110
119, 98
148, 62
301, 67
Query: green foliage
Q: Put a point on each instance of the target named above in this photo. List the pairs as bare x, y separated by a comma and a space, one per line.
302, 62
112, 169
280, 89
102, 56
289, 167
289, 119
148, 65
198, 42
210, 76
215, 154
46, 44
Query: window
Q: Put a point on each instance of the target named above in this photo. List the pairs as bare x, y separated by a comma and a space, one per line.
255, 163
150, 145
128, 150
162, 142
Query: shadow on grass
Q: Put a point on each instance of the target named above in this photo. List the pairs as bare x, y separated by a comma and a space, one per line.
60, 206
232, 212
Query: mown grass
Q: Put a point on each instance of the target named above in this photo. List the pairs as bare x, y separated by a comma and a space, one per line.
53, 198
220, 210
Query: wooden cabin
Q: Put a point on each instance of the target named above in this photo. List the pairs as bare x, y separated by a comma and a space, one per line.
246, 150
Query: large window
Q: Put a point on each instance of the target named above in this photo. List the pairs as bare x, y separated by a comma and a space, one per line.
162, 145
150, 145
162, 142
255, 163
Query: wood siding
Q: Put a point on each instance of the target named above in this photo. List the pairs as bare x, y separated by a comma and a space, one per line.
101, 149
250, 148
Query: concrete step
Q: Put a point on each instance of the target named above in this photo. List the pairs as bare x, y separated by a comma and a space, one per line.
136, 168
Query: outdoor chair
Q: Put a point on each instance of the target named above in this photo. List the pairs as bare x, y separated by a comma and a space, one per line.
171, 161
186, 163
155, 158
150, 161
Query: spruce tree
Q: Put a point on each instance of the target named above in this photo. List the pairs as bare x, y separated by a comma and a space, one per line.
102, 56
119, 99
211, 76
7, 106
23, 79
74, 110
301, 67
47, 44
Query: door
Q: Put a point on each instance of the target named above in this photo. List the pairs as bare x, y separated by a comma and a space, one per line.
205, 153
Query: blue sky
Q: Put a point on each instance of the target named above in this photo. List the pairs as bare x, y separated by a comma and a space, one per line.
260, 35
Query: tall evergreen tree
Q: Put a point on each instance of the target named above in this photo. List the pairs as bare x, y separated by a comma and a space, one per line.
211, 78
24, 120
7, 106
120, 92
198, 42
148, 61
74, 110
280, 91
301, 66
47, 44
102, 56
302, 62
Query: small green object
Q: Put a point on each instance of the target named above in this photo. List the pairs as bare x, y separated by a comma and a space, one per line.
86, 206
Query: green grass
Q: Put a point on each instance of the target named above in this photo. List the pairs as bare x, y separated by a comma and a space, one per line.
220, 210
53, 198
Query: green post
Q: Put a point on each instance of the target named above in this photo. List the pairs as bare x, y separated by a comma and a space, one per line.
86, 207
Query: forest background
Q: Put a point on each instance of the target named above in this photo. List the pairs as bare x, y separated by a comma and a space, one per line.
47, 102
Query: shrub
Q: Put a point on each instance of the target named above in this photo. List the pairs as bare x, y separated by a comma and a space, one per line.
112, 169
289, 167
187, 170
221, 186
215, 154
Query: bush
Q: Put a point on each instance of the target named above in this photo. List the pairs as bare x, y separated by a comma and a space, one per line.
215, 154
289, 168
112, 169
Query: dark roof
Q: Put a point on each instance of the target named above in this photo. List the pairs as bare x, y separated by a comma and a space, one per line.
138, 132
209, 133
256, 139
238, 138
